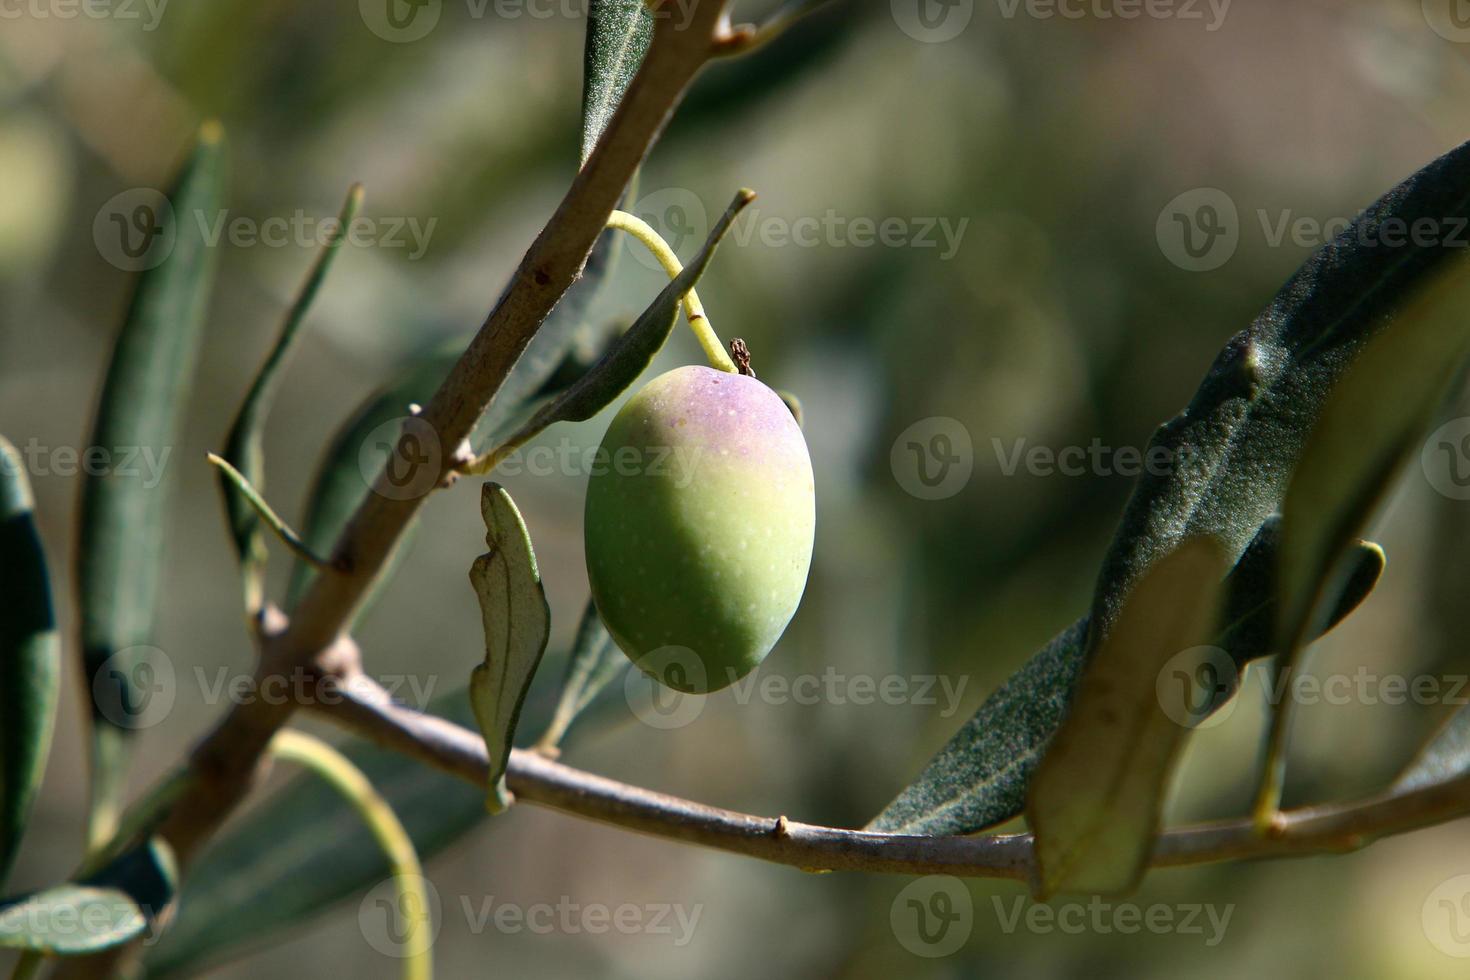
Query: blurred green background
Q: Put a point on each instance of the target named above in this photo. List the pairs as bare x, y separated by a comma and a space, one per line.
1054, 143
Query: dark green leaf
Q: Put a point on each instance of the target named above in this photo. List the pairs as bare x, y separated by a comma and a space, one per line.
244, 445
30, 657
631, 354
517, 624
595, 663
618, 34
979, 779
1233, 449
141, 410
108, 909
1096, 800
361, 447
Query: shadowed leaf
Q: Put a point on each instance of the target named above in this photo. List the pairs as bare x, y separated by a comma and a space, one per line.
595, 663
105, 910
120, 546
30, 657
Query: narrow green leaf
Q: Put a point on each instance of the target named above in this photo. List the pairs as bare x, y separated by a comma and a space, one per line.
1232, 449
618, 34
30, 656
979, 779
595, 663
108, 909
244, 446
361, 447
1371, 424
517, 625
1096, 801
141, 411
631, 354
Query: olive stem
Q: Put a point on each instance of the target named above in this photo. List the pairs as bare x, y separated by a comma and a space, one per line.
704, 331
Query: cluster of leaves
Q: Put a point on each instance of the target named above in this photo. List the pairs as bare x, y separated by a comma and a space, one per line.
1280, 461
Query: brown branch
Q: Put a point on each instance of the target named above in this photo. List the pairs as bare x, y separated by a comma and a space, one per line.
227, 764
227, 759
367, 711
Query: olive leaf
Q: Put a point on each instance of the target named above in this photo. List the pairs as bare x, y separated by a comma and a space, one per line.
30, 656
104, 910
517, 624
618, 34
244, 447
595, 663
362, 446
1096, 800
142, 406
630, 355
1445, 756
979, 779
1233, 449
1371, 424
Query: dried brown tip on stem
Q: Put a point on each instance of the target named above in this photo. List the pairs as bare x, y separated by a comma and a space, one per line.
741, 355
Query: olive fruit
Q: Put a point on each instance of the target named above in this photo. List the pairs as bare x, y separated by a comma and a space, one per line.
701, 512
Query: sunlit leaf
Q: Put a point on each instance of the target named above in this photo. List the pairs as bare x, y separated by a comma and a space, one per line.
517, 623
1096, 801
618, 34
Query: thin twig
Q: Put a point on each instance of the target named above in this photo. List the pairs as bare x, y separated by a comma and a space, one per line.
367, 710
